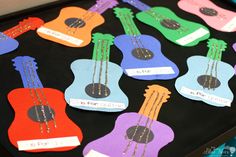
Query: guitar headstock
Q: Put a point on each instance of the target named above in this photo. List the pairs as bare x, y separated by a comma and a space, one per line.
31, 23
157, 89
123, 12
106, 3
21, 63
99, 36
216, 47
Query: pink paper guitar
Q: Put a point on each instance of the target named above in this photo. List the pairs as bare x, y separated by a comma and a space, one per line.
216, 17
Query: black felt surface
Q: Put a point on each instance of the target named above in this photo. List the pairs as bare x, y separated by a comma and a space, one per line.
194, 123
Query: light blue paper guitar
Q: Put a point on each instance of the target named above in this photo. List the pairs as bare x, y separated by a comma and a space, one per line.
95, 86
207, 78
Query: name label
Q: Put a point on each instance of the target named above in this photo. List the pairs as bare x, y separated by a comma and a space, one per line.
93, 153
150, 71
192, 36
60, 36
96, 104
206, 96
230, 26
48, 143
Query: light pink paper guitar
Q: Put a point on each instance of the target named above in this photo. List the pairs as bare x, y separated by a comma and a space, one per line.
216, 17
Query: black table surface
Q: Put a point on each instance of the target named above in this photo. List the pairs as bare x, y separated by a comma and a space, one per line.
194, 123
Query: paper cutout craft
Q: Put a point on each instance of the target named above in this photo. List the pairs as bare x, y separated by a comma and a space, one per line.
7, 38
96, 86
74, 25
216, 17
174, 28
142, 56
40, 122
207, 77
234, 47
136, 134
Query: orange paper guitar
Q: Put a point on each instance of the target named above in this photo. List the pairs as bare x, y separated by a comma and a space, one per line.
74, 25
40, 122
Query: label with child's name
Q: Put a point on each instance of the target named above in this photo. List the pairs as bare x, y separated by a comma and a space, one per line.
96, 104
48, 143
230, 26
206, 96
150, 71
192, 36
93, 153
59, 35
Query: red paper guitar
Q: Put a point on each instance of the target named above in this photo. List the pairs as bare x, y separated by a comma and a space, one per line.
40, 122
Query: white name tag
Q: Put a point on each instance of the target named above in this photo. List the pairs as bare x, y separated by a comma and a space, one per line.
60, 36
96, 104
48, 143
193, 36
230, 26
93, 153
150, 71
206, 96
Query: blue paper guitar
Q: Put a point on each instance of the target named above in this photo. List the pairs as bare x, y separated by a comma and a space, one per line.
142, 56
207, 78
95, 86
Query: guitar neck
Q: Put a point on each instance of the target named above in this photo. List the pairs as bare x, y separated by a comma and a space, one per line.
17, 30
125, 16
138, 4
216, 47
102, 5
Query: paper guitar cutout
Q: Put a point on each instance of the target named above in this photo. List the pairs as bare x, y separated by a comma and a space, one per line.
74, 25
95, 86
40, 122
136, 134
142, 56
174, 28
234, 47
216, 17
207, 77
7, 41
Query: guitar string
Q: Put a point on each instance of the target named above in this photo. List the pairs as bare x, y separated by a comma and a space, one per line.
137, 125
147, 121
95, 66
208, 65
101, 68
106, 72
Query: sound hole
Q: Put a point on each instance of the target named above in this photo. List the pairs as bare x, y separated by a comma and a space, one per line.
32, 113
141, 131
94, 91
170, 24
142, 53
207, 81
208, 11
74, 22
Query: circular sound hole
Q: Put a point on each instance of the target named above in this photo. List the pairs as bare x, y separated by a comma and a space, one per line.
142, 53
141, 131
208, 11
170, 24
206, 81
74, 22
97, 90
34, 110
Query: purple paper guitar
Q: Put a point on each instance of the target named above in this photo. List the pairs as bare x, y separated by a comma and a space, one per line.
136, 134
142, 56
234, 46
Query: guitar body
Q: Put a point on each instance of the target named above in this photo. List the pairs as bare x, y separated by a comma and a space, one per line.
216, 17
125, 44
188, 34
24, 128
197, 67
114, 143
7, 44
57, 30
83, 71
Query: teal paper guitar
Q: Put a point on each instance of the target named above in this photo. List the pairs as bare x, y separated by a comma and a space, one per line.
207, 78
95, 86
174, 28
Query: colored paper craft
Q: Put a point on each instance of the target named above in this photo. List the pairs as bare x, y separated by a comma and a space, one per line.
7, 38
216, 17
95, 86
142, 56
136, 134
207, 77
74, 25
174, 28
234, 47
40, 122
